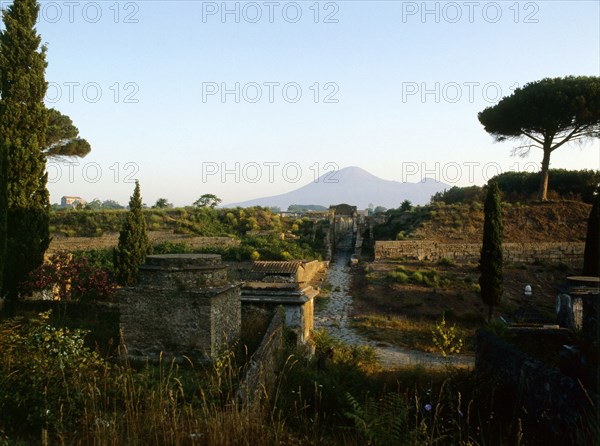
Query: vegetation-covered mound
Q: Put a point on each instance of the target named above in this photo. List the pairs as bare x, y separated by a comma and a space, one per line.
237, 234
533, 222
202, 221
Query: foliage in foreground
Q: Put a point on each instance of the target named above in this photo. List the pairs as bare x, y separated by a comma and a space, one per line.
44, 374
51, 383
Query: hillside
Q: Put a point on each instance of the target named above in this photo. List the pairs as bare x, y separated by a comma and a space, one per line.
531, 222
354, 186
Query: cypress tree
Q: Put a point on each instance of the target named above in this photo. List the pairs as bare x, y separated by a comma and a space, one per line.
133, 242
490, 264
24, 198
591, 255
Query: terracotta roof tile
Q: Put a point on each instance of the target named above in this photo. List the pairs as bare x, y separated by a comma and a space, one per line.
276, 267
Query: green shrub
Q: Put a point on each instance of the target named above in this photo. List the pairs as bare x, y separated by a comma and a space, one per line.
46, 373
476, 206
446, 339
98, 258
416, 277
171, 248
431, 279
445, 261
398, 276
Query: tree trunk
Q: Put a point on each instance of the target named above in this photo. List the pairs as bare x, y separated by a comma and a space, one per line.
490, 313
543, 191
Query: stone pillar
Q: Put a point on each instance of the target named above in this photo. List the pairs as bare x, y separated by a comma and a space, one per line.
183, 305
587, 289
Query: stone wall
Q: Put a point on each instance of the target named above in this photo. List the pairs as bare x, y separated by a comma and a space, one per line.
191, 323
547, 394
263, 368
307, 270
226, 318
568, 252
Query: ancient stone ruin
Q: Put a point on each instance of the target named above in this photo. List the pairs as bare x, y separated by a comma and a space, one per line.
183, 306
281, 283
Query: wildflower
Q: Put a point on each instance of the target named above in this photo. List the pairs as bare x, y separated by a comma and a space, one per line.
428, 407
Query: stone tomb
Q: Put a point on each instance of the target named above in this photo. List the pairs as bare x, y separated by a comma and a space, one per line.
297, 302
183, 306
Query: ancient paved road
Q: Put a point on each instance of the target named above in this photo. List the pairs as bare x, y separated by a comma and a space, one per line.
335, 316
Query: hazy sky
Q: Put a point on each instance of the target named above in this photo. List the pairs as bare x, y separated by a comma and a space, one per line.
246, 99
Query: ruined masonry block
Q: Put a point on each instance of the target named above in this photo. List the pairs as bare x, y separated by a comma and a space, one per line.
183, 306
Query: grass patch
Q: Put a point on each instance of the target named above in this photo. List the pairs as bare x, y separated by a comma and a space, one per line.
325, 289
402, 332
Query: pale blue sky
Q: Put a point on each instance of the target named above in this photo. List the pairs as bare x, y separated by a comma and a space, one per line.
375, 62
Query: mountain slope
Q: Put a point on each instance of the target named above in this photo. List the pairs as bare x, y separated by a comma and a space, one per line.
355, 186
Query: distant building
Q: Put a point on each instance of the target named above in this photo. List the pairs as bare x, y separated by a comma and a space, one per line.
343, 210
71, 202
287, 214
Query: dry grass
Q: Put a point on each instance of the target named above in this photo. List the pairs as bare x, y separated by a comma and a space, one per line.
456, 295
173, 405
406, 333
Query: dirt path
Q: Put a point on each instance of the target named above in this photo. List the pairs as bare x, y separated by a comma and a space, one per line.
335, 316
